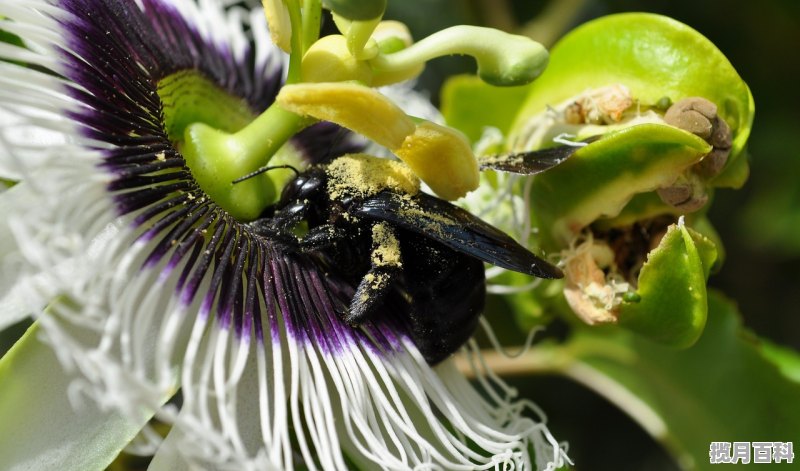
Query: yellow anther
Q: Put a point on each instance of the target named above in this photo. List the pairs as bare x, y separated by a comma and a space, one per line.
442, 158
353, 106
280, 26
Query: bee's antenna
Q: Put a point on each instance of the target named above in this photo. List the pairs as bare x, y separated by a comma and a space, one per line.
263, 170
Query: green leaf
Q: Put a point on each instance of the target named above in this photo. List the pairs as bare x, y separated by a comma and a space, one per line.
655, 57
39, 427
729, 386
786, 359
469, 104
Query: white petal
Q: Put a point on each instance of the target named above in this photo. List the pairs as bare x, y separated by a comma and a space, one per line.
13, 307
47, 422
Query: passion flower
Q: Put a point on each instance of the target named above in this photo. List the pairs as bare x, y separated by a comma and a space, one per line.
135, 134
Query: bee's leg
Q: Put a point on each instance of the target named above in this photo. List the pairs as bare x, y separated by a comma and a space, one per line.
321, 237
290, 215
370, 293
385, 266
269, 230
280, 226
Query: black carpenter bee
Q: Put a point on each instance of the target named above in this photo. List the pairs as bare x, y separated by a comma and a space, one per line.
365, 220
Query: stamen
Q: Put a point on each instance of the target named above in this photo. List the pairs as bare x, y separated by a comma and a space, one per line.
441, 157
355, 107
280, 26
503, 59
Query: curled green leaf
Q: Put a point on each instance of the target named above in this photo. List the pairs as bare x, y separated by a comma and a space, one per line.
602, 177
656, 58
672, 302
660, 293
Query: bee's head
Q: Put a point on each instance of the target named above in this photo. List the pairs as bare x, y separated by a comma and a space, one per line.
304, 186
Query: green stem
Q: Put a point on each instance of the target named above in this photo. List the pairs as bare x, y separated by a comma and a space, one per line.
549, 360
267, 133
312, 16
296, 57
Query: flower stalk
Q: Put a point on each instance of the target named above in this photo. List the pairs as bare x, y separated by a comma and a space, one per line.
503, 59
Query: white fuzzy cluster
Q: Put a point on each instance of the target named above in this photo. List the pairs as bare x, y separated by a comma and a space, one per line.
247, 405
503, 200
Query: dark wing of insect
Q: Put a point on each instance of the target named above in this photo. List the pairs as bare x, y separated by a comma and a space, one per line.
531, 162
457, 229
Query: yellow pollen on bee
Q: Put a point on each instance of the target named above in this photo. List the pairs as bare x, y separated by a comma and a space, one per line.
386, 251
364, 175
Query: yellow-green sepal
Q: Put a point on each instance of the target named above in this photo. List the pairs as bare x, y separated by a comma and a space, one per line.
602, 177
42, 426
670, 304
655, 57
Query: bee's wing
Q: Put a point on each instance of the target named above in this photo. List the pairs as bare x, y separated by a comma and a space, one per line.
531, 162
455, 228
